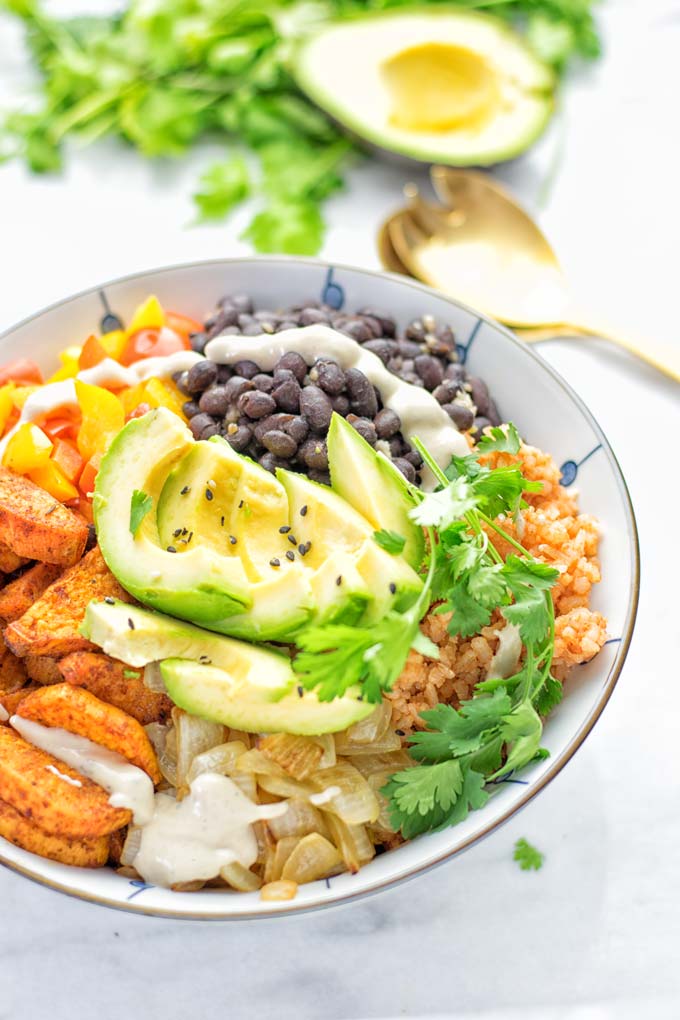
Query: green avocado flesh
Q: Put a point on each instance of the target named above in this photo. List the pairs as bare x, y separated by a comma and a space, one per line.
221, 544
215, 677
446, 86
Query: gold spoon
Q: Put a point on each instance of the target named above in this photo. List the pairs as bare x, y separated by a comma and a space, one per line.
483, 248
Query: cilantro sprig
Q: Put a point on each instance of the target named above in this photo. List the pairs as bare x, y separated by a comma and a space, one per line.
527, 856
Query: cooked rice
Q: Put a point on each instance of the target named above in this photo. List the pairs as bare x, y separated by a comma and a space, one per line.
553, 531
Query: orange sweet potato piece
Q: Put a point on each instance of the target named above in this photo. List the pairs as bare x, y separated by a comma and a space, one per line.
76, 710
36, 525
55, 805
81, 853
106, 678
12, 671
42, 669
9, 561
10, 702
18, 596
51, 625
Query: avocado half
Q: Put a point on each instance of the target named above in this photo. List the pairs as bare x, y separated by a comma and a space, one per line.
438, 86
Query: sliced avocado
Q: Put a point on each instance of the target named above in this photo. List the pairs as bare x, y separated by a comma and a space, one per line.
212, 693
216, 677
213, 584
347, 560
231, 505
370, 483
439, 86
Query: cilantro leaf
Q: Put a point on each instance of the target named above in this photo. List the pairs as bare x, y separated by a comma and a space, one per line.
469, 616
140, 504
549, 696
222, 186
430, 797
445, 506
390, 541
452, 732
527, 856
502, 438
292, 227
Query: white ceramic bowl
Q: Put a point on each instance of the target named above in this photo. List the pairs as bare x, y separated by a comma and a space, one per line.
547, 412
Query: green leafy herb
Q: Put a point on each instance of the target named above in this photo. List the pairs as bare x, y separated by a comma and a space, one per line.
390, 541
223, 186
527, 856
131, 674
140, 504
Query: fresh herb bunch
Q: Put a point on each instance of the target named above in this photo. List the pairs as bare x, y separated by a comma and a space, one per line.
499, 730
163, 74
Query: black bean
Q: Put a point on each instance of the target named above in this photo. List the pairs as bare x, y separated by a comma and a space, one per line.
244, 319
316, 407
387, 323
408, 349
340, 404
265, 315
224, 373
479, 392
320, 476
287, 395
279, 443
397, 446
239, 302
200, 422
430, 370
252, 329
407, 469
217, 324
238, 437
236, 386
269, 462
293, 362
387, 423
286, 324
272, 421
190, 408
297, 428
446, 391
357, 329
395, 365
480, 424
365, 428
246, 369
413, 457
310, 316
231, 331
198, 342
415, 331
493, 414
314, 453
215, 401
330, 377
210, 430
456, 372
460, 414
200, 376
373, 324
383, 349
180, 378
361, 393
263, 382
256, 404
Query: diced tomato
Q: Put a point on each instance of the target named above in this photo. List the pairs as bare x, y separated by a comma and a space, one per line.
139, 411
67, 458
23, 371
61, 427
153, 343
92, 353
82, 506
182, 324
89, 473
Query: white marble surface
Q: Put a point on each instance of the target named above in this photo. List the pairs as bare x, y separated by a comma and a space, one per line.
596, 933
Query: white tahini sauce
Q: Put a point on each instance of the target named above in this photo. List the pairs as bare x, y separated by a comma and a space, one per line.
421, 414
129, 786
195, 837
323, 798
4, 714
504, 662
108, 372
62, 775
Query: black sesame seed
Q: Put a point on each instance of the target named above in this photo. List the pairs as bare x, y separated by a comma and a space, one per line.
204, 659
300, 691
302, 549
292, 539
131, 623
233, 539
303, 511
171, 548
240, 505
290, 555
209, 494
109, 601
183, 492
221, 522
274, 562
400, 733
51, 509
284, 529
177, 532
393, 588
338, 580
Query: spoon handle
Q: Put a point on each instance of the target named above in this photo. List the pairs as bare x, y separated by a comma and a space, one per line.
662, 356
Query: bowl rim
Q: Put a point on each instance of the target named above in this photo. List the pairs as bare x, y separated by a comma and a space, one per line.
289, 908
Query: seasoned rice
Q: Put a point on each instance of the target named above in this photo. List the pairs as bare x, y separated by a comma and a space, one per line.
552, 530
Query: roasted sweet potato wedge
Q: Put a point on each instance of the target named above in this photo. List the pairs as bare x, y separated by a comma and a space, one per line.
117, 684
32, 782
36, 526
18, 596
9, 561
43, 669
81, 853
76, 710
10, 702
51, 625
12, 671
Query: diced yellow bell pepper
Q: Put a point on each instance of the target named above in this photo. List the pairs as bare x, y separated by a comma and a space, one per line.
132, 397
28, 448
102, 418
53, 479
6, 403
69, 364
161, 393
149, 315
114, 342
21, 394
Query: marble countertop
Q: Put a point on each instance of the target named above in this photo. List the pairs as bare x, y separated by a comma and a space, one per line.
596, 932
